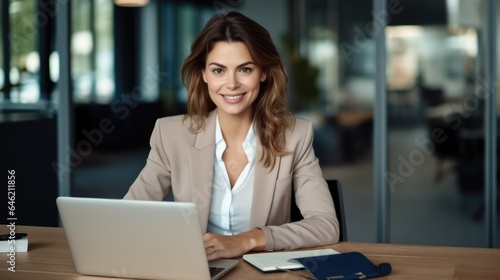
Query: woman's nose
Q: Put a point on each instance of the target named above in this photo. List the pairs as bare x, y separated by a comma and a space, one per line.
232, 81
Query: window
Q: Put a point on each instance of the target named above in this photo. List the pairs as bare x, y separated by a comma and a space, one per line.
92, 51
24, 58
179, 25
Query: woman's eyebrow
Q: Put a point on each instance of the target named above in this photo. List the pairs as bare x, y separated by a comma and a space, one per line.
223, 66
245, 64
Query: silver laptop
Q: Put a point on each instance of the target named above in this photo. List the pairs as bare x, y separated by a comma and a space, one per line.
137, 239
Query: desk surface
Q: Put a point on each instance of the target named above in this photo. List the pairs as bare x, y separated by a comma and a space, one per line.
49, 258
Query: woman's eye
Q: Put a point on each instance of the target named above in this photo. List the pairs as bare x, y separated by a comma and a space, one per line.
246, 70
217, 71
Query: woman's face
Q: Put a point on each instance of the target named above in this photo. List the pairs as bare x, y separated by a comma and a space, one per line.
232, 78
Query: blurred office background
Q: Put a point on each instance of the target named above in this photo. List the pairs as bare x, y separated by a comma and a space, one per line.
124, 74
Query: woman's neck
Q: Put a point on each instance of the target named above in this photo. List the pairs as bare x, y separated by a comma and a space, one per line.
234, 128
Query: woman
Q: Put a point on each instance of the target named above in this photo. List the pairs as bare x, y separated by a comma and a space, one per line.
238, 153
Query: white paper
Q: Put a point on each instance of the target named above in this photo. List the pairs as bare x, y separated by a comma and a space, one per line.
273, 261
15, 245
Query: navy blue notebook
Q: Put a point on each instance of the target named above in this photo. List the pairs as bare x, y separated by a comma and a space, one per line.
352, 265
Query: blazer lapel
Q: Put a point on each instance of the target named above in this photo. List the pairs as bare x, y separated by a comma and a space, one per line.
263, 189
201, 163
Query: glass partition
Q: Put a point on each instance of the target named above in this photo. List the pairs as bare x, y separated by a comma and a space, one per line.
331, 59
497, 92
92, 51
104, 52
435, 72
24, 55
179, 25
2, 47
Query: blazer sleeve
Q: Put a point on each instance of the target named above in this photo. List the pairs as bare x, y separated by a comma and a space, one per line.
154, 181
320, 225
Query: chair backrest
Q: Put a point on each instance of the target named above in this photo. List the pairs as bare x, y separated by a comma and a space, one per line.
336, 191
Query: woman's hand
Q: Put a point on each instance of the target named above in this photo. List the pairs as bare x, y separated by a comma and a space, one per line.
231, 246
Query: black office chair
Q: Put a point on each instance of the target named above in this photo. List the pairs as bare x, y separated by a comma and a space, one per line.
336, 191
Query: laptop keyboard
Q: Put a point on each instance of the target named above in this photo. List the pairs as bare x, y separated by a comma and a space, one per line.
215, 270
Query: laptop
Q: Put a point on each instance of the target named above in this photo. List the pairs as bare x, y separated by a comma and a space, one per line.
137, 239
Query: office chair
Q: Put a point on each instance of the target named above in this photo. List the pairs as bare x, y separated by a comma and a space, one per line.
336, 191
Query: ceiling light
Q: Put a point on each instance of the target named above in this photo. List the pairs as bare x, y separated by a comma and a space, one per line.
131, 3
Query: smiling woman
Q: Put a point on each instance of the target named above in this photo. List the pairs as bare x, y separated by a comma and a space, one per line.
238, 153
233, 80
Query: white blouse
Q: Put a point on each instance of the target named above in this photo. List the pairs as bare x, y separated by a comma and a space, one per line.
230, 208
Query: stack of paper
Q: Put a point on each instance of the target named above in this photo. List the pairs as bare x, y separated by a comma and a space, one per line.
19, 244
273, 261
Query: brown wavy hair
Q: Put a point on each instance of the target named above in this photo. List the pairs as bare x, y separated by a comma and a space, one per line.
271, 116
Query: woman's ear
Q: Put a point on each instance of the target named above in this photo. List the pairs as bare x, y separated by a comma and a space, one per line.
263, 77
203, 75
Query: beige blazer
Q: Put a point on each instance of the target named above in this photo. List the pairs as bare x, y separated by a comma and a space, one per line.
183, 162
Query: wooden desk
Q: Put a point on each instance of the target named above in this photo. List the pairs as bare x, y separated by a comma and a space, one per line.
49, 258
